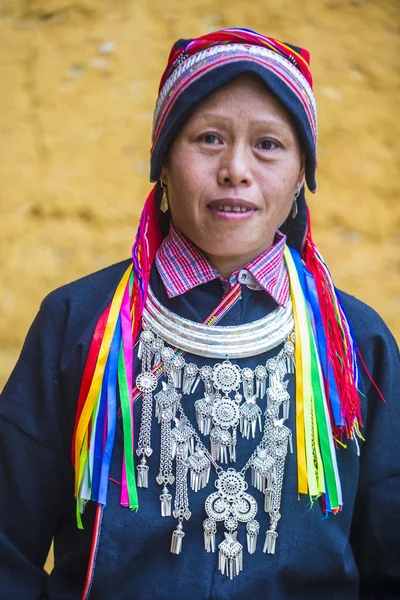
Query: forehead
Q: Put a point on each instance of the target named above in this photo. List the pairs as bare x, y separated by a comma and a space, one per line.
245, 94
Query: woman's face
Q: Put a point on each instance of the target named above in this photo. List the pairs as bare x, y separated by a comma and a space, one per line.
232, 172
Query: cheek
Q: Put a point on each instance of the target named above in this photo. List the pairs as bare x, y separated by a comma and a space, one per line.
183, 191
185, 172
280, 180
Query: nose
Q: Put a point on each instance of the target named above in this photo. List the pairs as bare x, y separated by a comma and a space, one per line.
234, 167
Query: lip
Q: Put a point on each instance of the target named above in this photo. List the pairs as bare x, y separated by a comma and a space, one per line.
233, 202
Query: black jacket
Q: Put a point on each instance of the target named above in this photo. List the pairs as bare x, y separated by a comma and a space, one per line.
355, 554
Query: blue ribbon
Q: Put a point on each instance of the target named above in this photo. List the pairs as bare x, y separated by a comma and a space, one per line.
99, 437
308, 286
111, 412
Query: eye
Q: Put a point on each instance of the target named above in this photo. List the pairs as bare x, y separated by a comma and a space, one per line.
210, 138
267, 144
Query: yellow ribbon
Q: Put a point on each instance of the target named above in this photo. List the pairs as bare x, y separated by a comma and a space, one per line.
95, 385
305, 425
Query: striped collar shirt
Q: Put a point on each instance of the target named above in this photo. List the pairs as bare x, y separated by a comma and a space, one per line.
182, 266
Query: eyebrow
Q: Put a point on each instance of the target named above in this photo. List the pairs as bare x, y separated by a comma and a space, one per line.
259, 122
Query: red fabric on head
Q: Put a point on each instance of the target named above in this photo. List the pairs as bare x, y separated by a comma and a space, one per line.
244, 36
148, 239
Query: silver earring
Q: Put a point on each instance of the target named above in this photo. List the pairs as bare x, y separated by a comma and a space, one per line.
294, 207
164, 199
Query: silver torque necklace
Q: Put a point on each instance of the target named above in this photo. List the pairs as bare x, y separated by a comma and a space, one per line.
219, 416
239, 341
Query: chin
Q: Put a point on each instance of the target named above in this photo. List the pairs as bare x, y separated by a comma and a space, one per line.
228, 250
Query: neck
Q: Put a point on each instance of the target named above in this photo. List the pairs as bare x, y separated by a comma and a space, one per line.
226, 265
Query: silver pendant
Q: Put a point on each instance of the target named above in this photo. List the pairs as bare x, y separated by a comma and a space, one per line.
205, 374
225, 415
226, 376
223, 445
261, 375
182, 439
189, 375
278, 396
230, 560
262, 470
272, 366
145, 341
146, 383
166, 502
289, 349
231, 504
252, 530
158, 346
225, 412
210, 529
167, 355
177, 365
248, 383
166, 402
250, 417
203, 409
182, 443
200, 468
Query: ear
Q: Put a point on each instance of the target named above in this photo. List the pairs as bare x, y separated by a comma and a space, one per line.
302, 174
164, 174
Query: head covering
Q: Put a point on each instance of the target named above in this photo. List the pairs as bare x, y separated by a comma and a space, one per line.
197, 68
327, 376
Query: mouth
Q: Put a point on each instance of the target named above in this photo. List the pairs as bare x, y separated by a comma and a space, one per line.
232, 208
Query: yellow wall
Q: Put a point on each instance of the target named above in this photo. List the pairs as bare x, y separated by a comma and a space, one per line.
77, 86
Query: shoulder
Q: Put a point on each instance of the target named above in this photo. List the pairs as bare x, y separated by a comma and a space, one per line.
367, 324
73, 310
378, 350
90, 288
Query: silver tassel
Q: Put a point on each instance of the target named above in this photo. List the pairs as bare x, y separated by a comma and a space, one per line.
177, 365
272, 366
252, 529
189, 375
176, 541
268, 500
270, 542
248, 383
203, 409
230, 560
223, 441
158, 346
250, 417
166, 502
261, 381
289, 353
200, 469
210, 529
286, 406
262, 470
143, 474
196, 383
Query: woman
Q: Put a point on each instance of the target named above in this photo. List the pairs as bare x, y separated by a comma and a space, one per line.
233, 426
